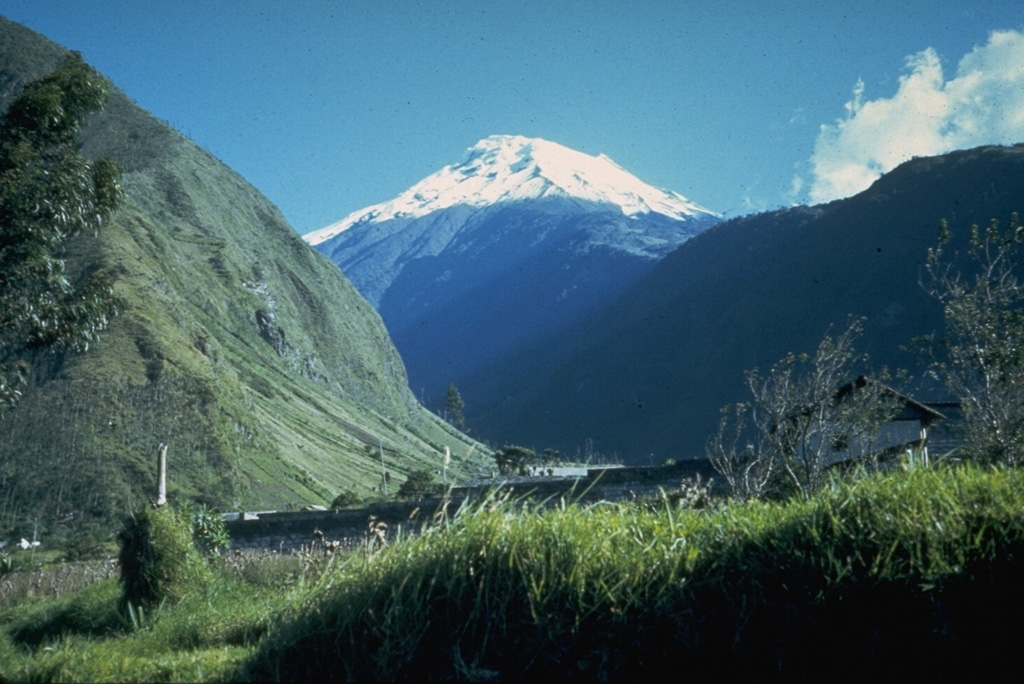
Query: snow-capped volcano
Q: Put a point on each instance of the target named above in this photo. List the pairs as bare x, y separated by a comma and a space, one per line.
505, 168
485, 271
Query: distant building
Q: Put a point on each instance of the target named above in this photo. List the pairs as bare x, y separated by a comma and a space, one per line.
906, 434
945, 438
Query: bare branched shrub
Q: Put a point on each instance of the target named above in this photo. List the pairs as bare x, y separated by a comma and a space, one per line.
738, 455
806, 414
62, 580
983, 364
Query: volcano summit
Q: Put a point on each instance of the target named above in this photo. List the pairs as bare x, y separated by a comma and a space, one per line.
484, 271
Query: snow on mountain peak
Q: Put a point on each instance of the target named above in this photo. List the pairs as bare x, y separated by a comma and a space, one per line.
503, 168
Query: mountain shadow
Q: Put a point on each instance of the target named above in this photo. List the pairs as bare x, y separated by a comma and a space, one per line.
646, 378
484, 271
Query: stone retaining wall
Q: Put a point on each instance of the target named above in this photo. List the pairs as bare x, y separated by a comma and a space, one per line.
290, 531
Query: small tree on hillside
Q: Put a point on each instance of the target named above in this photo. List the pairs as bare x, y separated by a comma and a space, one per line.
48, 194
984, 337
453, 406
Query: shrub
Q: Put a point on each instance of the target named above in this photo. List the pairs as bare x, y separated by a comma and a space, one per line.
209, 533
419, 485
347, 499
84, 542
159, 561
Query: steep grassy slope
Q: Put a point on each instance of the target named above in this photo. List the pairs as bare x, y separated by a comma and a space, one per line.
270, 379
650, 374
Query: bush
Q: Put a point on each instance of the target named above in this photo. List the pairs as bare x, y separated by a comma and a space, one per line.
419, 485
209, 533
347, 499
514, 460
84, 542
159, 561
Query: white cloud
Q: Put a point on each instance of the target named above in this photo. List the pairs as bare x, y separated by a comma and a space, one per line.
982, 104
795, 186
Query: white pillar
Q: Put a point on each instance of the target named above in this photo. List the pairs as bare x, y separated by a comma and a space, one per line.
161, 475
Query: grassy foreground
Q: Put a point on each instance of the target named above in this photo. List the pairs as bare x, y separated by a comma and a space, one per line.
909, 573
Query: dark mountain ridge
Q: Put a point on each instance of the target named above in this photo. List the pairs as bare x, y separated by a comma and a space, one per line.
514, 284
646, 379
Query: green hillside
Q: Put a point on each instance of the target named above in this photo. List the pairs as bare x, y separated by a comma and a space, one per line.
239, 346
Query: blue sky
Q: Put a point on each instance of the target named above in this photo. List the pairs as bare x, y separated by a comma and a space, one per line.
329, 106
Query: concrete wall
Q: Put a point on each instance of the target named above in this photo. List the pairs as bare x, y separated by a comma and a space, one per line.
291, 531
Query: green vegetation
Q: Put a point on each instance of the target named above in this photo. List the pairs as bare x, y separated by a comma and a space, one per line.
982, 353
246, 352
347, 499
421, 484
209, 533
514, 460
453, 407
48, 195
908, 572
159, 561
897, 564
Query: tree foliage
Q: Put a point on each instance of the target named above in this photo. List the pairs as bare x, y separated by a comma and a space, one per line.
983, 364
453, 407
346, 499
514, 460
209, 533
420, 484
48, 194
806, 413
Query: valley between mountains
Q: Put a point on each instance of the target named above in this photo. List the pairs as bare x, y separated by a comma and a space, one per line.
573, 306
578, 309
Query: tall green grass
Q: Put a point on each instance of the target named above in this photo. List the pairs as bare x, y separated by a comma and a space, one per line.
90, 637
907, 572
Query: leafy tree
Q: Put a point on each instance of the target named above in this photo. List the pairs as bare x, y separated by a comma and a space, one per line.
984, 337
551, 457
805, 414
48, 194
453, 406
346, 499
514, 460
419, 485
